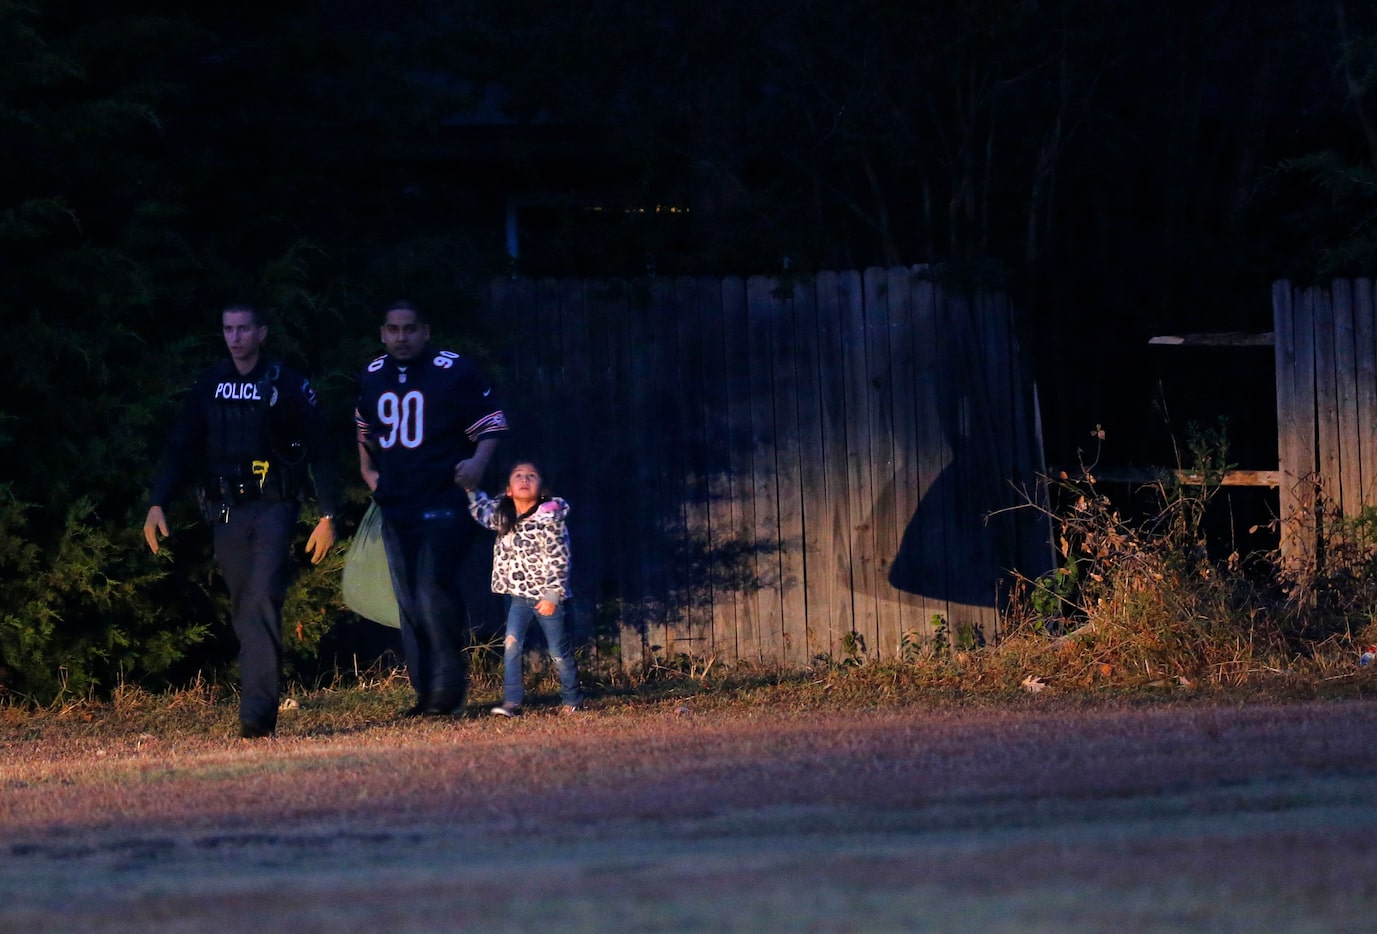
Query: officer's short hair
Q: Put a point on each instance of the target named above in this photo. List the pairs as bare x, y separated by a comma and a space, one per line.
402, 304
250, 307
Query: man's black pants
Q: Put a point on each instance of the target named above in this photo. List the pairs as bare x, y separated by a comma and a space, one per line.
425, 554
253, 550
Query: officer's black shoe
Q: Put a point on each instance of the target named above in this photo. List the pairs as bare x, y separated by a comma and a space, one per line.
446, 705
249, 730
418, 709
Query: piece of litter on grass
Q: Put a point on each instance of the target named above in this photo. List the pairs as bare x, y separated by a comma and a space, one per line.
289, 703
1032, 685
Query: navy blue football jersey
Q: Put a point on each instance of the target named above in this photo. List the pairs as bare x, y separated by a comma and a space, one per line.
420, 420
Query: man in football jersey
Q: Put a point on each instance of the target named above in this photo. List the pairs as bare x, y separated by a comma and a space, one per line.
428, 425
251, 437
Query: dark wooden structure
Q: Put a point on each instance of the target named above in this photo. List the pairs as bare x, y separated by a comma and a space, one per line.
774, 470
1326, 352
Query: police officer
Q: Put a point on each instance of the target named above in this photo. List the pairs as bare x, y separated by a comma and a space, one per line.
247, 432
427, 426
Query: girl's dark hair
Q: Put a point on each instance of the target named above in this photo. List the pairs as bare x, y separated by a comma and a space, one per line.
506, 508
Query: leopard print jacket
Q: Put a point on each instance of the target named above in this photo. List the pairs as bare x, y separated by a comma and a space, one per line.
532, 560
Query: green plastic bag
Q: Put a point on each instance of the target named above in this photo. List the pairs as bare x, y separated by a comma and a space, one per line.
367, 577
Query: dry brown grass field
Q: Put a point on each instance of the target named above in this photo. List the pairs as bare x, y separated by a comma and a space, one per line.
842, 799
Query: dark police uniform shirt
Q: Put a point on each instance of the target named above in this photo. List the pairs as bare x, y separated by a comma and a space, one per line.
422, 419
229, 420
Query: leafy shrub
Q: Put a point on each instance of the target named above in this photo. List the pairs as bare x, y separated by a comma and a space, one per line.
1141, 598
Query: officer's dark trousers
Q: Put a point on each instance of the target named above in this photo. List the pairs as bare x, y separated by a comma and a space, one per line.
254, 552
425, 555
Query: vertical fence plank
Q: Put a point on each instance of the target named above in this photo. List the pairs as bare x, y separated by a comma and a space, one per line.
692, 558
513, 317
947, 492
1001, 416
605, 307
1288, 444
969, 578
510, 300
925, 541
725, 582
859, 458
514, 306
913, 612
1035, 556
762, 312
1306, 413
815, 510
1326, 393
834, 525
884, 525
541, 348
995, 359
611, 313
746, 538
660, 518
785, 346
1365, 373
570, 454
1346, 399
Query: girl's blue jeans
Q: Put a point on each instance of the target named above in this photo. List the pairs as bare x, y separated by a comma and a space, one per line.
520, 612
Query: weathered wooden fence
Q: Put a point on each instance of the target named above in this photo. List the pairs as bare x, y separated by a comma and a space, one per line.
772, 471
1326, 352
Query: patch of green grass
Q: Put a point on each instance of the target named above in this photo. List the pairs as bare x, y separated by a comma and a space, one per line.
990, 676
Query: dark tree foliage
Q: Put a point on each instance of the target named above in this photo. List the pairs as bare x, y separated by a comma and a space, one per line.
1123, 168
159, 162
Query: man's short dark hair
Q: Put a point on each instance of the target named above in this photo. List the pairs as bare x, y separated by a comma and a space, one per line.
402, 304
250, 307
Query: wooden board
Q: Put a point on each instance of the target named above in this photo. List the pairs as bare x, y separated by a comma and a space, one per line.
815, 501
834, 526
880, 411
741, 471
574, 468
690, 557
1346, 401
927, 537
913, 613
722, 532
784, 331
1326, 393
761, 312
865, 574
1365, 375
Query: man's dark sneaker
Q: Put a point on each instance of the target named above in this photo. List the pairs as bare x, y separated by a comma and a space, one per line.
439, 708
506, 710
249, 730
446, 705
418, 709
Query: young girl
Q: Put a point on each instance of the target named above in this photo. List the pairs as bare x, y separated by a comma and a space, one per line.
530, 565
